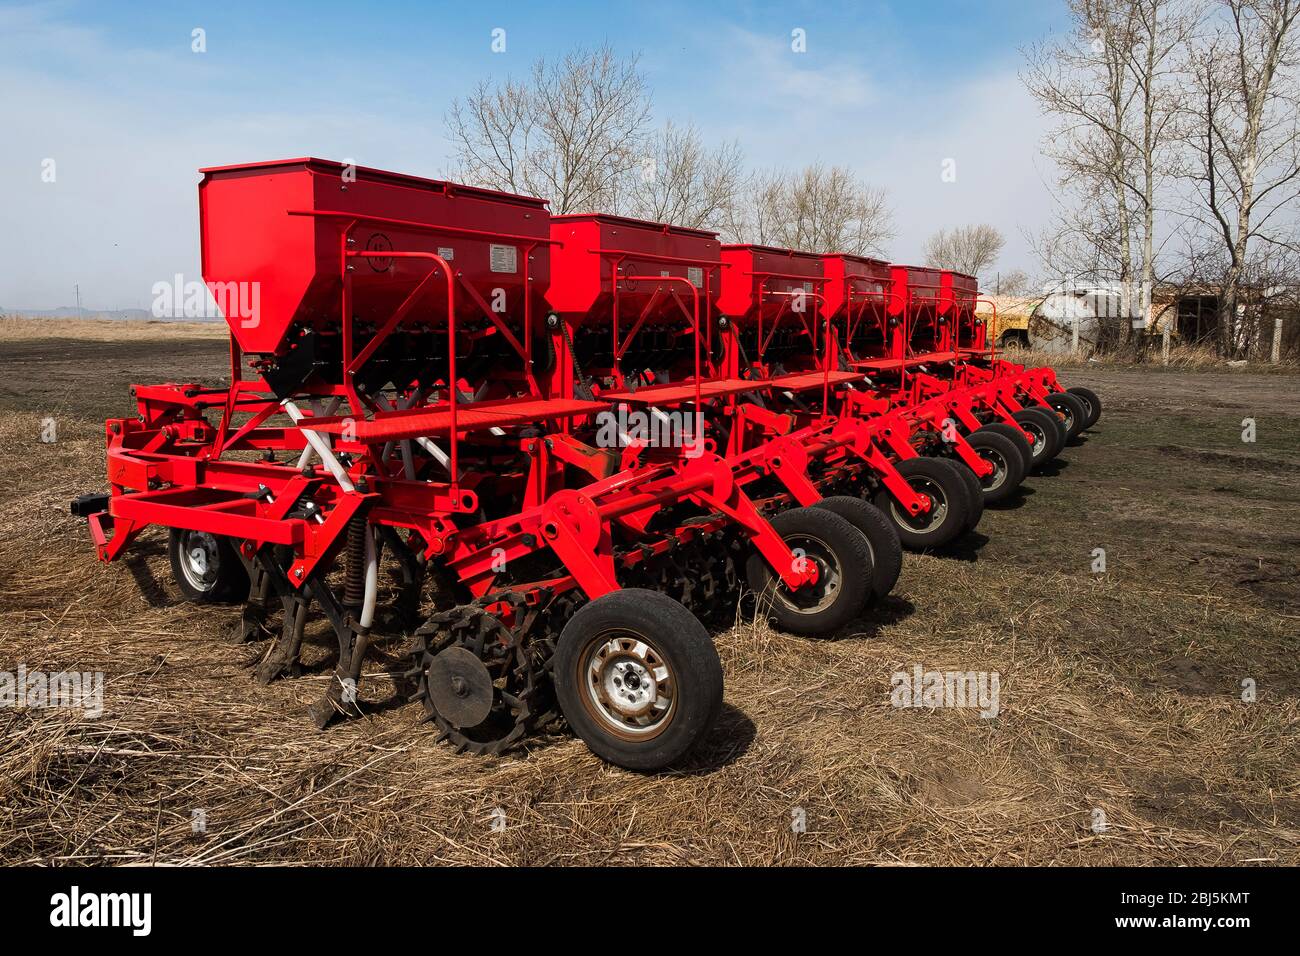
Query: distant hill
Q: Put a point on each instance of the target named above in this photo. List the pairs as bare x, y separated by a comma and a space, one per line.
72, 312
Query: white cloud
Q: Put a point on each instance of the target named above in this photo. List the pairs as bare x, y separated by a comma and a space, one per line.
764, 71
128, 131
129, 128
990, 129
896, 130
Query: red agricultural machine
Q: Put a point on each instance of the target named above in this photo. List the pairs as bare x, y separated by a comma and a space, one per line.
915, 333
539, 450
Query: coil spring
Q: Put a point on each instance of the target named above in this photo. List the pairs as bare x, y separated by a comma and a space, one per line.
354, 588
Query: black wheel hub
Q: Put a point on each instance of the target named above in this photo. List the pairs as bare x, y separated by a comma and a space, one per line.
460, 687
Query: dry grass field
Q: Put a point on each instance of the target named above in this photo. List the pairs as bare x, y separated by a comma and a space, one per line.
1120, 692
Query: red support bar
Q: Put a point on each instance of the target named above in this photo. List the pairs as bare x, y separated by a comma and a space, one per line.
421, 226
695, 327
387, 328
618, 255
452, 387
990, 341
656, 257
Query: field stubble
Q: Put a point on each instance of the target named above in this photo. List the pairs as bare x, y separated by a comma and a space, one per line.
1120, 692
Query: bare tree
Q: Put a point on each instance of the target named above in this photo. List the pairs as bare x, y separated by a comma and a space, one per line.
1084, 81
1155, 60
816, 209
1081, 242
968, 249
680, 181
753, 213
1116, 85
570, 133
1246, 133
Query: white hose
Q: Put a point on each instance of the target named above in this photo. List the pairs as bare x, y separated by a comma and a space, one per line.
441, 456
404, 446
321, 447
330, 408
372, 581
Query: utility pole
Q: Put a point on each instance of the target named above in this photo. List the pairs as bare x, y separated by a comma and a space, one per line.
77, 287
1166, 330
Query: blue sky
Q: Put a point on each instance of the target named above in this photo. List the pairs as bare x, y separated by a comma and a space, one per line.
114, 95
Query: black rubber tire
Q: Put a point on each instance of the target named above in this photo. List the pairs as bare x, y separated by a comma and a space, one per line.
881, 535
1073, 408
836, 546
974, 493
1046, 426
678, 641
1008, 460
941, 481
1017, 438
226, 580
1092, 400
1056, 420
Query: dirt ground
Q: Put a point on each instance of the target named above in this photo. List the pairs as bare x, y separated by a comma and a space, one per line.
1122, 735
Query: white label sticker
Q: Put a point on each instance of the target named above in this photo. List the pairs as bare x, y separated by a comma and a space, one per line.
504, 258
807, 286
695, 276
447, 252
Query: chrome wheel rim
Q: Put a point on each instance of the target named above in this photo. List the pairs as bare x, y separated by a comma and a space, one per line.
199, 560
629, 685
932, 519
820, 595
994, 481
1040, 437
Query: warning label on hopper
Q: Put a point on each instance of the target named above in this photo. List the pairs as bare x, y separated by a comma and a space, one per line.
505, 259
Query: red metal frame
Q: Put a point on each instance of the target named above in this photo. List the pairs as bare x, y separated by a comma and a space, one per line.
349, 269
172, 469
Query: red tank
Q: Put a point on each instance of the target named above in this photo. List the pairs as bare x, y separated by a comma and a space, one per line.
961, 293
915, 287
590, 248
276, 232
759, 282
854, 279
